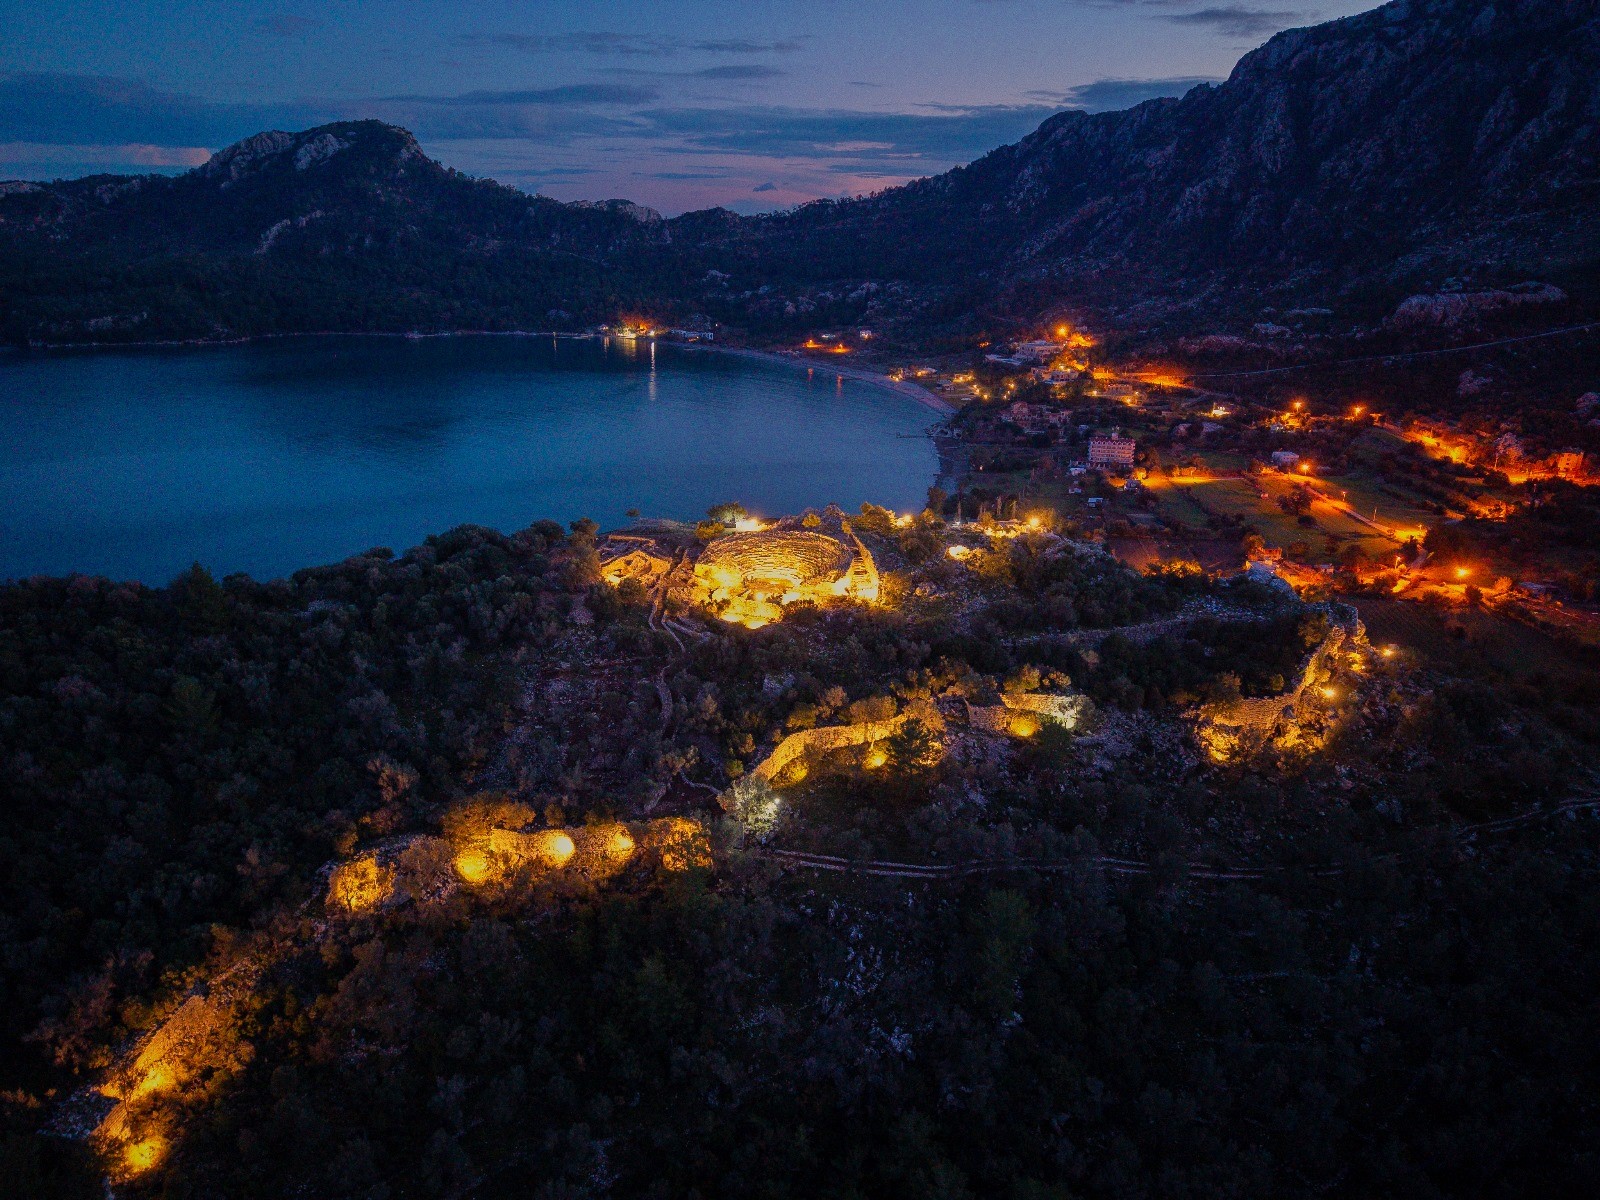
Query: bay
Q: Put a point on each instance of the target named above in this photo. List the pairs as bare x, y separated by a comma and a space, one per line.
276, 455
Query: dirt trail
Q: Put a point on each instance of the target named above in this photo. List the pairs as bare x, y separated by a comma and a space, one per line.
1128, 866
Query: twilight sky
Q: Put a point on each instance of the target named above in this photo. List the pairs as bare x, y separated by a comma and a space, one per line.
753, 104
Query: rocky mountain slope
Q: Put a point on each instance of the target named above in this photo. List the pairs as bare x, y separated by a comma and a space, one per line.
348, 226
1424, 139
1427, 143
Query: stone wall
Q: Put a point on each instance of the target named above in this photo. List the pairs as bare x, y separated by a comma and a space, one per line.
1238, 727
1021, 715
829, 738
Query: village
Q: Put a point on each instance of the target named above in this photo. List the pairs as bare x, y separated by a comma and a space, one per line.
1333, 496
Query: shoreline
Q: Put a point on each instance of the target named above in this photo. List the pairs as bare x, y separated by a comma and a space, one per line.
910, 391
246, 339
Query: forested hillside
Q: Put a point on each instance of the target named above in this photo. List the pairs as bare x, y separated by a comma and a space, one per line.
256, 825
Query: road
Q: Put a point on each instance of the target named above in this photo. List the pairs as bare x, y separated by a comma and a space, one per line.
1369, 358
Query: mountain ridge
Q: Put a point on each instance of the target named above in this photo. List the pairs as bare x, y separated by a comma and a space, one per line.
1423, 143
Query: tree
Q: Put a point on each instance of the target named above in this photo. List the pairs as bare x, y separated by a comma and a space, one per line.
201, 600
1298, 502
912, 747
873, 708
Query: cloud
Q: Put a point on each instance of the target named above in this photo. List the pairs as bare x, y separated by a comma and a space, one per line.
736, 72
552, 116
1237, 21
93, 110
740, 46
938, 139
768, 186
628, 44
602, 130
81, 110
1109, 95
573, 93
646, 45
41, 160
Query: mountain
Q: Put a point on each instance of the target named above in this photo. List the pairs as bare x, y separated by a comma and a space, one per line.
1426, 143
347, 226
1421, 140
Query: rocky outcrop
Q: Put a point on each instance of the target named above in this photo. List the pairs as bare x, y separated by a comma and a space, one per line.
625, 208
318, 149
1455, 309
280, 227
1408, 141
233, 161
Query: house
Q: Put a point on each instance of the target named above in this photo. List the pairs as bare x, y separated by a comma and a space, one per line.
1568, 463
1033, 418
1285, 460
1037, 352
1110, 450
1020, 414
1054, 375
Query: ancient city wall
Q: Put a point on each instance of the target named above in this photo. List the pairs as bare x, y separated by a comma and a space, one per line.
1225, 728
839, 737
1021, 715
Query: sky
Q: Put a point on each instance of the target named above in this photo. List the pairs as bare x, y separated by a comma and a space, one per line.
751, 104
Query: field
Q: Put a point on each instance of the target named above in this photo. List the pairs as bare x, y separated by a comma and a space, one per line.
1367, 496
1229, 496
1253, 499
1462, 639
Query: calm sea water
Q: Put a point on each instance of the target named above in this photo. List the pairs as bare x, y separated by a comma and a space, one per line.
274, 456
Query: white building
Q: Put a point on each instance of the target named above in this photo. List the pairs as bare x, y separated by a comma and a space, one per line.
1038, 352
1110, 450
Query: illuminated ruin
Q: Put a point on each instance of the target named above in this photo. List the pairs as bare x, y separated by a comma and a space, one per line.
202, 1043
1233, 731
754, 800
680, 842
360, 885
489, 860
750, 575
